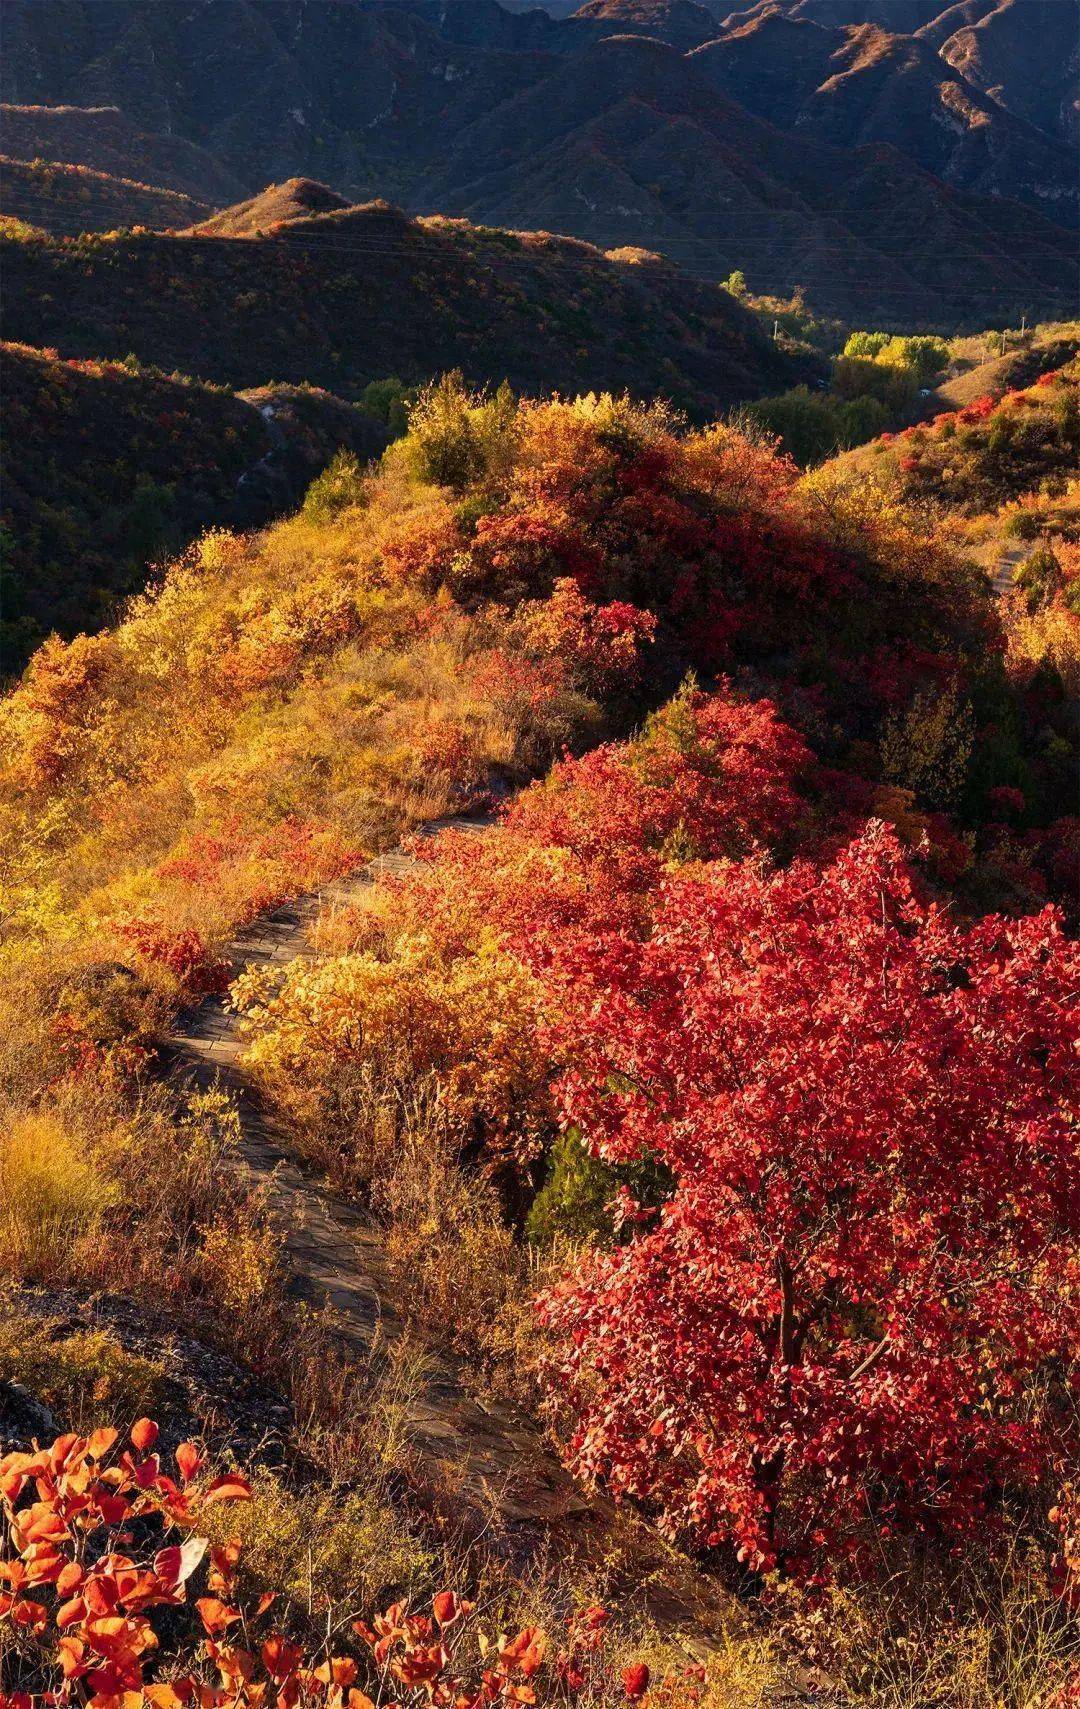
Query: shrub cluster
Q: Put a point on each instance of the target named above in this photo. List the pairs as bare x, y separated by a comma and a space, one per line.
785, 1107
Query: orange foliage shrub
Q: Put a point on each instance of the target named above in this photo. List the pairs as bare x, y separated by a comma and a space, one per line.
97, 1542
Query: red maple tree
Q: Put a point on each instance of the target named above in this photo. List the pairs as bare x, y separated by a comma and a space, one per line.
864, 1264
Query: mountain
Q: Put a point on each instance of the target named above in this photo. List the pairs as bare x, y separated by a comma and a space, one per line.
67, 200
1024, 54
1027, 56
629, 137
627, 122
680, 23
343, 298
859, 84
295, 199
108, 468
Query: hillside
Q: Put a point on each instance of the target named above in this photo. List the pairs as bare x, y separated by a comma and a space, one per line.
539, 854
862, 85
997, 468
109, 469
340, 1196
584, 124
600, 145
67, 200
102, 139
1026, 56
1018, 443
1022, 53
260, 215
340, 299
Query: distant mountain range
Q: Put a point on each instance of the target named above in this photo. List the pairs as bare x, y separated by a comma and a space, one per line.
901, 160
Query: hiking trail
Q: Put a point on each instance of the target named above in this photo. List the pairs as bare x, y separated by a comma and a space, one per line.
499, 1461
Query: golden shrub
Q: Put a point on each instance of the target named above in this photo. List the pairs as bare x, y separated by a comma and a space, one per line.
54, 1195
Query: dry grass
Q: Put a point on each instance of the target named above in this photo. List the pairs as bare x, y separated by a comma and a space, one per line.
86, 1377
988, 1632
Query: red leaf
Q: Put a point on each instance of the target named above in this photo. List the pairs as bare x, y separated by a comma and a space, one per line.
188, 1459
216, 1616
144, 1433
230, 1487
635, 1680
448, 1607
175, 1565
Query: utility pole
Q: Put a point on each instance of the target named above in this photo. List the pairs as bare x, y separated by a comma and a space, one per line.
1023, 325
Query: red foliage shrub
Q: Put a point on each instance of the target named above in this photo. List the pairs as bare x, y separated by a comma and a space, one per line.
842, 1307
722, 773
978, 409
1005, 802
711, 777
291, 856
181, 952
600, 645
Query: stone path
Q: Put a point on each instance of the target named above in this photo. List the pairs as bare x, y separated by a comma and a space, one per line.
334, 1249
1010, 560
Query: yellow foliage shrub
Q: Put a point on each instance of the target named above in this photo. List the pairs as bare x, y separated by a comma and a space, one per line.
54, 1195
337, 1039
330, 1551
1051, 634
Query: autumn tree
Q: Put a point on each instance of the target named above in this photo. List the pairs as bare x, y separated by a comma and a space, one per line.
841, 1309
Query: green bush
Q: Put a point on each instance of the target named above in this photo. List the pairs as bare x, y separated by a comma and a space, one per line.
389, 401
892, 384
575, 1200
926, 357
1040, 577
815, 425
866, 344
85, 1376
339, 487
1023, 525
456, 437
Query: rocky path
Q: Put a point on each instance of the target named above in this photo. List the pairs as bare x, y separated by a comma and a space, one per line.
1008, 562
334, 1249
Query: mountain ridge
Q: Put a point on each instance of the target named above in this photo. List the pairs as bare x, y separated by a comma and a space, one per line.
342, 298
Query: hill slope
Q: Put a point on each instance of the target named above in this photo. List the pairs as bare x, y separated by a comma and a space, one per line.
67, 200
104, 140
343, 298
106, 470
629, 138
1025, 54
1028, 57
864, 85
297, 199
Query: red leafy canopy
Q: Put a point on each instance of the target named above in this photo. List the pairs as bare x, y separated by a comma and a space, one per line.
868, 1247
